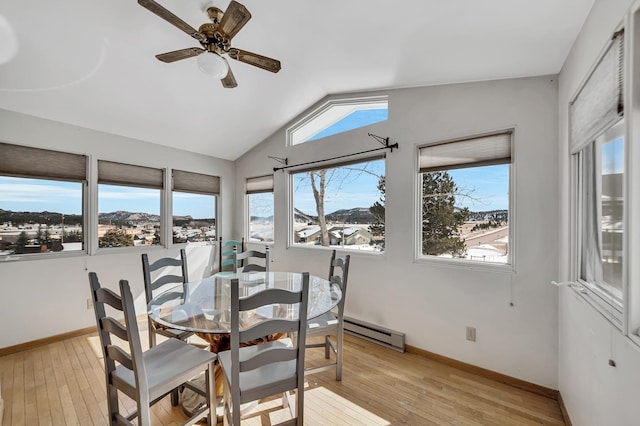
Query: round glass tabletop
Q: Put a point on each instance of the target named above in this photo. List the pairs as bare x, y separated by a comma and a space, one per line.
204, 306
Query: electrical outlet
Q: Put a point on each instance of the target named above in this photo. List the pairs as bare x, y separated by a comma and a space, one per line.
89, 303
471, 334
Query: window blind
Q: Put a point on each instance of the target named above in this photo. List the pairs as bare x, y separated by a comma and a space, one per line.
196, 182
257, 185
129, 175
39, 163
472, 152
600, 100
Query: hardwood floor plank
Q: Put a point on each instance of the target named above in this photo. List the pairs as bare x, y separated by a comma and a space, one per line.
17, 406
53, 393
30, 405
63, 383
6, 380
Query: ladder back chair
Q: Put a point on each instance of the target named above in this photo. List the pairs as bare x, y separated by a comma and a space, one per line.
226, 264
243, 259
255, 372
331, 323
155, 278
146, 377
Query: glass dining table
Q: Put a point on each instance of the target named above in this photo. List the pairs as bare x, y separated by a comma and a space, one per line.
204, 306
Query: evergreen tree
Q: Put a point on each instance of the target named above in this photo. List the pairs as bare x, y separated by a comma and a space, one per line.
73, 237
377, 210
441, 221
23, 240
115, 238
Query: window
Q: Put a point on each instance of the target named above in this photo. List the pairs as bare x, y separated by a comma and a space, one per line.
194, 206
340, 206
260, 212
129, 200
464, 199
41, 201
598, 157
601, 165
338, 116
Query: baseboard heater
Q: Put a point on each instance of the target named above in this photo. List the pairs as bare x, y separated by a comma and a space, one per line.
383, 336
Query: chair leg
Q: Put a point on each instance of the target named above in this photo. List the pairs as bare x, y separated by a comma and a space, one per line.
112, 402
211, 394
327, 346
144, 414
232, 404
339, 355
300, 406
175, 397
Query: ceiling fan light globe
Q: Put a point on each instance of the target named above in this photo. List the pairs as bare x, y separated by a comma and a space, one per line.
213, 65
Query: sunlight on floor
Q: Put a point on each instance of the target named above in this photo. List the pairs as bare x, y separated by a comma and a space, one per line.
321, 407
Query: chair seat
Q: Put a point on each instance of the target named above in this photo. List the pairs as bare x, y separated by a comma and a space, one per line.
270, 379
324, 324
167, 365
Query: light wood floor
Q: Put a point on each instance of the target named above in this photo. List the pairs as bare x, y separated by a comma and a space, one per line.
63, 384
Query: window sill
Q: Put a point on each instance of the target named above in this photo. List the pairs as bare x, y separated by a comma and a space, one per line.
506, 268
338, 249
40, 256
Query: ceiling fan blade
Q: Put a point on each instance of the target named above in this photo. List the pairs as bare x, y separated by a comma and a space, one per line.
254, 59
168, 16
229, 81
234, 18
178, 55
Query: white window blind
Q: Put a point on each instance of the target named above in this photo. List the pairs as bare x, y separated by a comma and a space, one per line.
472, 152
261, 184
600, 100
196, 182
39, 163
129, 175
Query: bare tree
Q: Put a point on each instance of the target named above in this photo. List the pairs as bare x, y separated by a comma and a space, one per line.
334, 178
318, 194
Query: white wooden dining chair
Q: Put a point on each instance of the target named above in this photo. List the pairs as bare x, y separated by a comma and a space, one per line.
332, 323
146, 377
257, 371
243, 260
155, 277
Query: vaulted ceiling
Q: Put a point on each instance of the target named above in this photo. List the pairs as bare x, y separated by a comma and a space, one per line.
92, 63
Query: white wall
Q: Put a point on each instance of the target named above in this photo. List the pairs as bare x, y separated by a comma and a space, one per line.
430, 302
593, 392
45, 297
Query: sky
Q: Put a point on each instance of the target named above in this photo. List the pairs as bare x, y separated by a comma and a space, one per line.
352, 121
613, 157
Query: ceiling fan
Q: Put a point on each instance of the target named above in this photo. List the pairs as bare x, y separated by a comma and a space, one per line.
215, 38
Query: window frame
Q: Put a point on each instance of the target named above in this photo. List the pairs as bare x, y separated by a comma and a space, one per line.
290, 204
247, 206
191, 183
617, 314
511, 265
365, 102
143, 178
609, 307
60, 170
